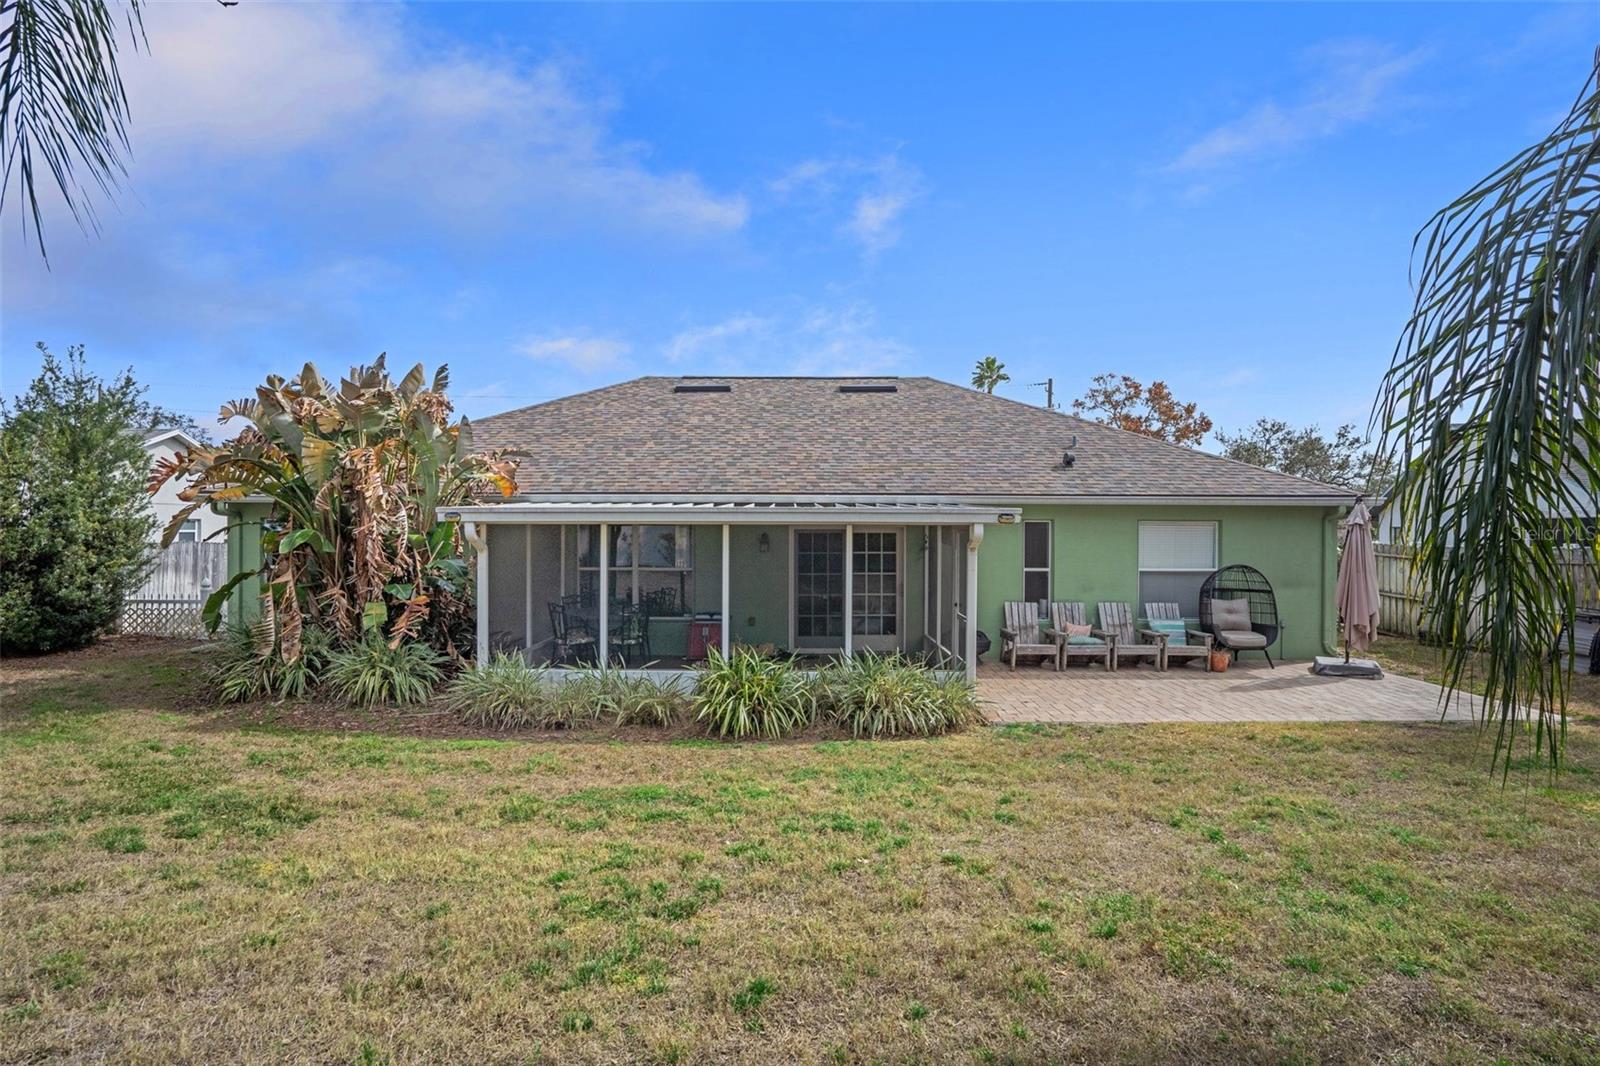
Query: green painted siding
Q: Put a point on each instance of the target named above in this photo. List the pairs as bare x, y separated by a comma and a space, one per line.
1096, 558
244, 553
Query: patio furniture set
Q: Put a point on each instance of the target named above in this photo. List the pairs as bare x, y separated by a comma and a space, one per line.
574, 623
1238, 612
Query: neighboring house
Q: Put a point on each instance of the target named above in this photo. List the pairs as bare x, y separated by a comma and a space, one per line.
164, 444
1575, 526
840, 514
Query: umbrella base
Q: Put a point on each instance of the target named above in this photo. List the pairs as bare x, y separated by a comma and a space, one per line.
1333, 666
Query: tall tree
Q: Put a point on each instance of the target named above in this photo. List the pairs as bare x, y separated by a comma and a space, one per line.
1118, 400
989, 373
62, 106
1491, 402
75, 525
1343, 459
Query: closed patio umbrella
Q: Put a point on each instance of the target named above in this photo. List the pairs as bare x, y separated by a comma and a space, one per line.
1357, 598
1357, 594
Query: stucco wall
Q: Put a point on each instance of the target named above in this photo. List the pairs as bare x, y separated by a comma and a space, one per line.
1096, 558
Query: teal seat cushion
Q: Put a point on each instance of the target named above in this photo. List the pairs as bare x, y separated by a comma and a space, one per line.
1085, 640
1172, 627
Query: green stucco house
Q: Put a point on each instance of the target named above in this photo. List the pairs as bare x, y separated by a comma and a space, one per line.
831, 515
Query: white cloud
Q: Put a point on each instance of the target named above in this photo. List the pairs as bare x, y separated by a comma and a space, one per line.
696, 339
878, 191
1355, 81
383, 115
798, 339
581, 352
845, 340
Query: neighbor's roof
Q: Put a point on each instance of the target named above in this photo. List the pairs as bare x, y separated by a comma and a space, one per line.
901, 436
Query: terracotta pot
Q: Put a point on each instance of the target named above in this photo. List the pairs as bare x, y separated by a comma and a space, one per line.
1220, 661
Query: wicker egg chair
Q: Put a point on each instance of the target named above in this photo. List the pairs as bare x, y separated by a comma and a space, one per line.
1226, 624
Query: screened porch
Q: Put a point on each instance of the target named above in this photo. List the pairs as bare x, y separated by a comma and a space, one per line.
656, 585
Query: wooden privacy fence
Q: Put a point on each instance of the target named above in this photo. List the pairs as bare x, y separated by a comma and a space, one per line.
169, 602
1401, 599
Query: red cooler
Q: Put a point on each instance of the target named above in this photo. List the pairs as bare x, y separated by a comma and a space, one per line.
704, 634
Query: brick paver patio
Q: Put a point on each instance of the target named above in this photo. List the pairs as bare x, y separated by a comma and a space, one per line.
1248, 692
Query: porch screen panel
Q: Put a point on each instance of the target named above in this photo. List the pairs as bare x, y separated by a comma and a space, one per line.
544, 585
954, 578
1174, 560
962, 536
508, 587
651, 565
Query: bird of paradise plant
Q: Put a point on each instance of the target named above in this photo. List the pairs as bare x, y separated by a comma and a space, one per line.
355, 474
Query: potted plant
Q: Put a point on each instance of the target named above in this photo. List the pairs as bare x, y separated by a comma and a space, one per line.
1220, 658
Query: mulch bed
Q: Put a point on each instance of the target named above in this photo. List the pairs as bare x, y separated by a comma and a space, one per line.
320, 716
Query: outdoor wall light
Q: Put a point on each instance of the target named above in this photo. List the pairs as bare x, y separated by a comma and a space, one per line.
764, 544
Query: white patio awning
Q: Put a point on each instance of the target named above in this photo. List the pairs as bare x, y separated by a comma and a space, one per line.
733, 510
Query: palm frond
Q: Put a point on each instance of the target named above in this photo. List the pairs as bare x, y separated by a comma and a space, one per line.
63, 111
1491, 402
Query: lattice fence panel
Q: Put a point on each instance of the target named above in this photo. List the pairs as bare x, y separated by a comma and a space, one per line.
172, 597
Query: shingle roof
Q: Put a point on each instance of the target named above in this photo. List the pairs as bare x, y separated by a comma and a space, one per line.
778, 435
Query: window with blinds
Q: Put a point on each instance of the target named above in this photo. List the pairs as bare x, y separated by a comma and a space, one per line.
1174, 559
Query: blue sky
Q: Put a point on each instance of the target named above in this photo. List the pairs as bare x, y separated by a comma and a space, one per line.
551, 199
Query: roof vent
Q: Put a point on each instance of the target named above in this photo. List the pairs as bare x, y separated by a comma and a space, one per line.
869, 388
702, 388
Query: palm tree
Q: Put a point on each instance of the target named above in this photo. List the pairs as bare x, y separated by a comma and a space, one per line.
1491, 404
62, 107
989, 373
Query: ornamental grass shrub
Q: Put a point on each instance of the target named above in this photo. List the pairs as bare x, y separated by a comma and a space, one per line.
889, 695
747, 694
370, 672
246, 665
504, 693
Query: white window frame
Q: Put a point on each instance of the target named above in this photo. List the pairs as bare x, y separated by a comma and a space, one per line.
634, 569
190, 526
861, 641
1049, 556
1141, 569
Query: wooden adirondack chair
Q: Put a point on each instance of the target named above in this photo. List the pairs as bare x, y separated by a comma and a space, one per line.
1196, 643
1062, 614
1021, 635
1116, 625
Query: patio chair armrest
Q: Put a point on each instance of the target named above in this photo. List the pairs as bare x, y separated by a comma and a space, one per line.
1156, 636
1104, 634
1008, 634
1198, 636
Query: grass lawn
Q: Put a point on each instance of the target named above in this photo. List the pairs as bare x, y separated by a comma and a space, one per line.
181, 883
1421, 660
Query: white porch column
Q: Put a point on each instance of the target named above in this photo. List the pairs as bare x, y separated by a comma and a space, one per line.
973, 540
603, 637
527, 593
938, 590
927, 586
849, 591
480, 541
727, 618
